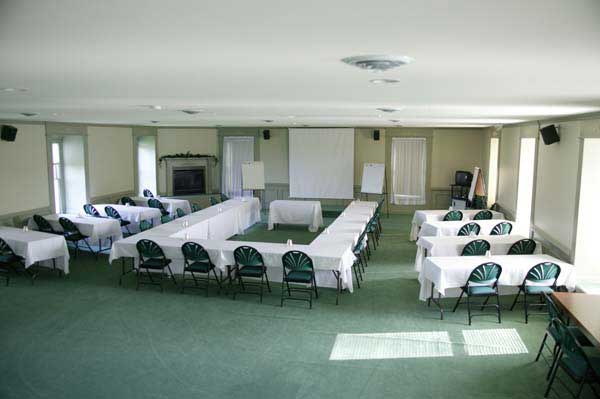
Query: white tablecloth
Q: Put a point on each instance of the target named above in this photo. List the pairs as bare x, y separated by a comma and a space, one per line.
436, 229
134, 214
453, 246
95, 228
170, 204
421, 217
448, 273
296, 212
36, 246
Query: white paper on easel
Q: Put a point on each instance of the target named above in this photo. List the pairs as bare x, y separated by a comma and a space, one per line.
253, 175
373, 178
474, 183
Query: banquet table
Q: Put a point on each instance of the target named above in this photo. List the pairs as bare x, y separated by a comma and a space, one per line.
170, 204
133, 214
296, 212
448, 274
433, 229
37, 247
95, 228
437, 215
583, 310
453, 246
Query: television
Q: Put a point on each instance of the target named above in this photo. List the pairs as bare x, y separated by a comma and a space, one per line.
463, 178
550, 134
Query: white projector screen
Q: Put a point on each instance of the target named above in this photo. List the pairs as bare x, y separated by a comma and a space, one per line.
322, 163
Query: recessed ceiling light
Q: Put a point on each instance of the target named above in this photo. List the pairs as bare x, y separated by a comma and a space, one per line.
157, 107
13, 89
383, 81
377, 62
379, 116
292, 116
28, 113
389, 109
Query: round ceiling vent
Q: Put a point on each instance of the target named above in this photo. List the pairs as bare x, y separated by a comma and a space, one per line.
377, 62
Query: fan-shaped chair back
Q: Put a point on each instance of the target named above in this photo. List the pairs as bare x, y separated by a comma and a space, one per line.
360, 241
127, 200
476, 248
147, 193
501, 229
525, 246
180, 212
224, 197
483, 215
68, 226
148, 249
468, 229
112, 212
553, 310
145, 225
194, 252
43, 224
247, 256
154, 203
195, 208
453, 216
545, 273
213, 201
91, 210
485, 274
294, 261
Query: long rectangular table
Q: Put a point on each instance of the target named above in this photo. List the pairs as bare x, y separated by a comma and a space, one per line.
453, 246
170, 204
95, 228
437, 215
37, 247
433, 229
297, 213
583, 310
133, 214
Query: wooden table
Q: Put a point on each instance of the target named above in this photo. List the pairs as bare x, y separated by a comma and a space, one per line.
584, 309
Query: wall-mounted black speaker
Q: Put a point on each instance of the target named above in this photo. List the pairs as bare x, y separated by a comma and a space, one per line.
376, 135
550, 134
266, 134
9, 133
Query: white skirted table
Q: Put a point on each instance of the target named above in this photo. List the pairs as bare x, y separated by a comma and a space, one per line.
48, 250
133, 214
95, 228
437, 215
436, 229
170, 204
453, 246
297, 213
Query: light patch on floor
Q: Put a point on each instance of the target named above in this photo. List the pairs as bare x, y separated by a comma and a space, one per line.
505, 341
391, 345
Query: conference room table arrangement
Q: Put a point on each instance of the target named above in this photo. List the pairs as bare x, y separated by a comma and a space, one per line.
95, 228
133, 214
170, 204
297, 213
441, 228
437, 215
44, 249
453, 246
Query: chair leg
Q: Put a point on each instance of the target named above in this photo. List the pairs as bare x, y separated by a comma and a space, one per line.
268, 285
315, 286
262, 278
457, 302
469, 309
552, 375
283, 288
498, 306
539, 353
526, 305
356, 276
516, 299
207, 282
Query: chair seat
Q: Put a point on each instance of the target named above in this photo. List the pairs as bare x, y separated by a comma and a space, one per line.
155, 263
579, 336
577, 369
481, 290
538, 289
200, 267
299, 276
124, 222
75, 237
251, 271
8, 259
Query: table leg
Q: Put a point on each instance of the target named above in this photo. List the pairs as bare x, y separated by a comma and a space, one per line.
338, 286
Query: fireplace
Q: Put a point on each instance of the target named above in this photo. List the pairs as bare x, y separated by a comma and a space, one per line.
189, 180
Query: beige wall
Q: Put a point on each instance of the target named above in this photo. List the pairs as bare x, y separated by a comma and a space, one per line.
367, 150
455, 149
274, 153
110, 160
508, 169
24, 171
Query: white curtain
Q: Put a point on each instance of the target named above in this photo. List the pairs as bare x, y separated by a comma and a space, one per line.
236, 150
409, 170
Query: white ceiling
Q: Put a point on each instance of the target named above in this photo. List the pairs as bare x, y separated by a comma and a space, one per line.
477, 62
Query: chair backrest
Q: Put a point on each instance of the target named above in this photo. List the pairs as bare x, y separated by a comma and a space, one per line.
469, 228
43, 224
224, 197
213, 201
360, 240
553, 310
91, 210
154, 203
180, 212
294, 261
571, 348
5, 249
148, 249
545, 273
127, 200
476, 248
68, 226
145, 225
247, 256
195, 208
112, 212
147, 193
501, 229
193, 252
525, 246
483, 215
165, 219
485, 274
453, 216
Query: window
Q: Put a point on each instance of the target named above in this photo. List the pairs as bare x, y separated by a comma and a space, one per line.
236, 150
57, 177
525, 186
146, 163
409, 170
493, 171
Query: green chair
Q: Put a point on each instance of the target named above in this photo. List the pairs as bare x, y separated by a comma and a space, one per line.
469, 229
482, 282
73, 235
359, 257
373, 233
453, 216
156, 204
180, 213
127, 200
165, 219
10, 261
476, 248
539, 280
525, 246
195, 208
153, 261
145, 225
196, 260
298, 268
213, 201
147, 193
483, 215
249, 264
91, 210
501, 229
43, 225
573, 360
114, 214
224, 197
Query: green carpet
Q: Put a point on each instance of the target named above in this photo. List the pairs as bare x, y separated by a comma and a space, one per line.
83, 336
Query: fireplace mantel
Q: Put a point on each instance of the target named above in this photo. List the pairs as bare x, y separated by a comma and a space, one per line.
176, 163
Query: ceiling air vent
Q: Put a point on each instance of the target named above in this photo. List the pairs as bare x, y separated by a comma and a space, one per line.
377, 62
190, 111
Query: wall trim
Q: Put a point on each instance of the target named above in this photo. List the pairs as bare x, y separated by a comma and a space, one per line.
110, 198
553, 248
16, 218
